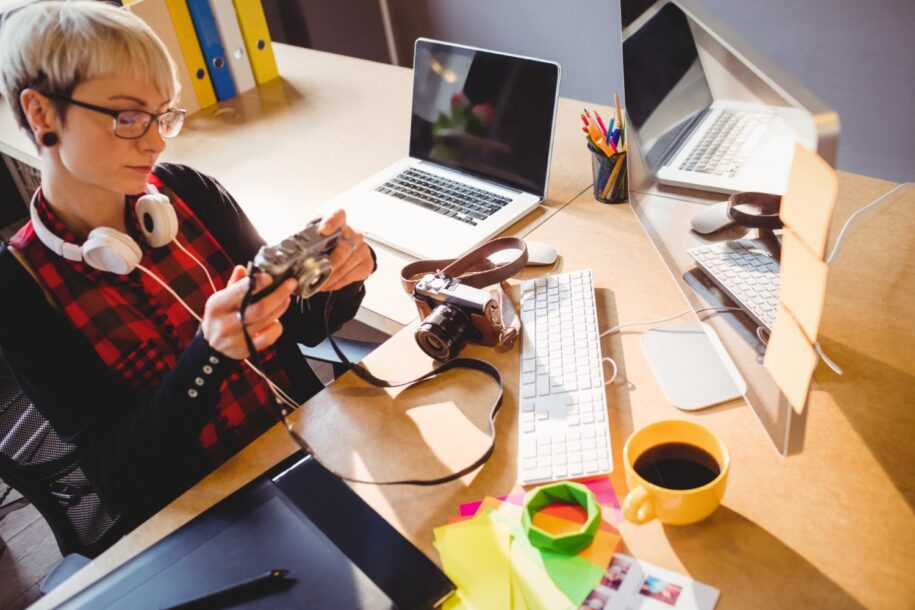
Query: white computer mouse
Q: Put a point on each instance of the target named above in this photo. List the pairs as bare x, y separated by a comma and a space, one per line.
538, 253
711, 219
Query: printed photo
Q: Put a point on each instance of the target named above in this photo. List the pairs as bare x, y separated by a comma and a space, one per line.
655, 588
616, 573
610, 582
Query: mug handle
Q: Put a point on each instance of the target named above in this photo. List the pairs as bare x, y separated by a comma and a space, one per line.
638, 506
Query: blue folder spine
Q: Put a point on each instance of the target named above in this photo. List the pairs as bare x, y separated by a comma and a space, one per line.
211, 45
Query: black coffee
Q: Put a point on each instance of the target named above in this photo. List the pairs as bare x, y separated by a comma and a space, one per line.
677, 466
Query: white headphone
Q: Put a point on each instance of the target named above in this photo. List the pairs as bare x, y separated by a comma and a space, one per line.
110, 250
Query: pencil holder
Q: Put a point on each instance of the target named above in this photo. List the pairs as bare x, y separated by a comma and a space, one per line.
610, 183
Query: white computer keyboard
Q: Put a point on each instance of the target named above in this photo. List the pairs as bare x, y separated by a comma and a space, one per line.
746, 272
563, 427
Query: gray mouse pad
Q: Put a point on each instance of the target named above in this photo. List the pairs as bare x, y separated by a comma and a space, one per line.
692, 366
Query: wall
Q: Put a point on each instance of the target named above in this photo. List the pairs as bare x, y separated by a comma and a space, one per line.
856, 56
582, 35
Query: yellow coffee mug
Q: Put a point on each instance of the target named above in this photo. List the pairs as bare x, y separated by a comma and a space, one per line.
674, 439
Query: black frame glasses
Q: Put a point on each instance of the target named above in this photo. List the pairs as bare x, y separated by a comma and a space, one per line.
133, 124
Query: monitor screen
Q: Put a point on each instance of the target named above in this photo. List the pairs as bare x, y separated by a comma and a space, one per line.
666, 88
483, 113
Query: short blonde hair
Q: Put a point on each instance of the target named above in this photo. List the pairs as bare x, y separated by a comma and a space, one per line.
54, 45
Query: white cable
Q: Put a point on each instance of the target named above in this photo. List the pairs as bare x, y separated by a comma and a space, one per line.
277, 391
201, 265
169, 288
830, 363
658, 321
615, 369
851, 218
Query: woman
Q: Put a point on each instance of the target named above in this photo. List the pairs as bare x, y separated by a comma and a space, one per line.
153, 398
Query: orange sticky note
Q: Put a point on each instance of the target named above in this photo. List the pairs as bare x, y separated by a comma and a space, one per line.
791, 359
802, 284
599, 552
809, 199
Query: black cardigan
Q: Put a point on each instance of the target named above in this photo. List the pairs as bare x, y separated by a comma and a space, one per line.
141, 451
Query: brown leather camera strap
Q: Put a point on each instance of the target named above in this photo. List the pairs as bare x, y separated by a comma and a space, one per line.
473, 269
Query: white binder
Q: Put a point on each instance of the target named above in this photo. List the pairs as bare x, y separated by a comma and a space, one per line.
233, 44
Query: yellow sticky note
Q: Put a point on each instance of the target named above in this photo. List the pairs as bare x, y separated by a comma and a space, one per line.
456, 602
802, 284
476, 559
532, 579
809, 199
518, 602
791, 359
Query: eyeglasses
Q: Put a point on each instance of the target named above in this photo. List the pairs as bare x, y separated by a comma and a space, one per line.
133, 124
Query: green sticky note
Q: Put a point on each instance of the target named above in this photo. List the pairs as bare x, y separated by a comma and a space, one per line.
574, 576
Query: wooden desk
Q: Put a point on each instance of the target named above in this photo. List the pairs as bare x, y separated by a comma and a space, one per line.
832, 527
331, 121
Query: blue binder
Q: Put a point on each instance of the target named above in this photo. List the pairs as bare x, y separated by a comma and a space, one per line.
211, 45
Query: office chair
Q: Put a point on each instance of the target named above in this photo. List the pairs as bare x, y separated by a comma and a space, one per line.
46, 471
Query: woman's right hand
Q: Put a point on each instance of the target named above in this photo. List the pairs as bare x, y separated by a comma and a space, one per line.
221, 325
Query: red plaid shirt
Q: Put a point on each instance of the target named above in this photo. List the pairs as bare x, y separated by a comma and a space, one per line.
139, 330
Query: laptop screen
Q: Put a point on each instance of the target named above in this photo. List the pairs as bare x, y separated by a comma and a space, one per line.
484, 113
666, 88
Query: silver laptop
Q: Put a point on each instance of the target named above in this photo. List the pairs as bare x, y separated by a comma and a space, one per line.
480, 143
688, 137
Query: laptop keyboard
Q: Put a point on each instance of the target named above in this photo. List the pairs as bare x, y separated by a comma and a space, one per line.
447, 197
744, 270
728, 143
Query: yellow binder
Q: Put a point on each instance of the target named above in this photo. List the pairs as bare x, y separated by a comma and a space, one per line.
193, 56
257, 39
155, 14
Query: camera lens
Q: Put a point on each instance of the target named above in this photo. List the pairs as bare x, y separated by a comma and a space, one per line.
444, 332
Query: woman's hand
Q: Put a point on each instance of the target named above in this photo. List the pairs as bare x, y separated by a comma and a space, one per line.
221, 325
351, 258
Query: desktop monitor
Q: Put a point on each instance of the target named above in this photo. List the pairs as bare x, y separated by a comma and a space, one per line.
713, 64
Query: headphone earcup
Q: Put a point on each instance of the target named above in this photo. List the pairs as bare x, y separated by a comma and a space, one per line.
109, 250
158, 220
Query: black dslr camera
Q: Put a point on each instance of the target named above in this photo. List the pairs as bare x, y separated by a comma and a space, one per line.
303, 256
453, 313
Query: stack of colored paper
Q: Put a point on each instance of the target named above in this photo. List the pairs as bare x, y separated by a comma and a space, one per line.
488, 556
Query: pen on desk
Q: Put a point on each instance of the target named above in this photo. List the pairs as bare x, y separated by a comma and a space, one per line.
249, 585
610, 127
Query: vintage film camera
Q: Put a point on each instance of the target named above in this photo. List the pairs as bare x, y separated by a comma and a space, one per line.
303, 256
454, 313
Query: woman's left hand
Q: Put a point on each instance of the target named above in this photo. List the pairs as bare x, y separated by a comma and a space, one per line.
351, 257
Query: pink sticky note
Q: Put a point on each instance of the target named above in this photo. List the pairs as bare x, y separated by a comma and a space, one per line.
600, 486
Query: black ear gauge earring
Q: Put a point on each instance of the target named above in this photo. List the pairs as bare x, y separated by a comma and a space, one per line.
49, 138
